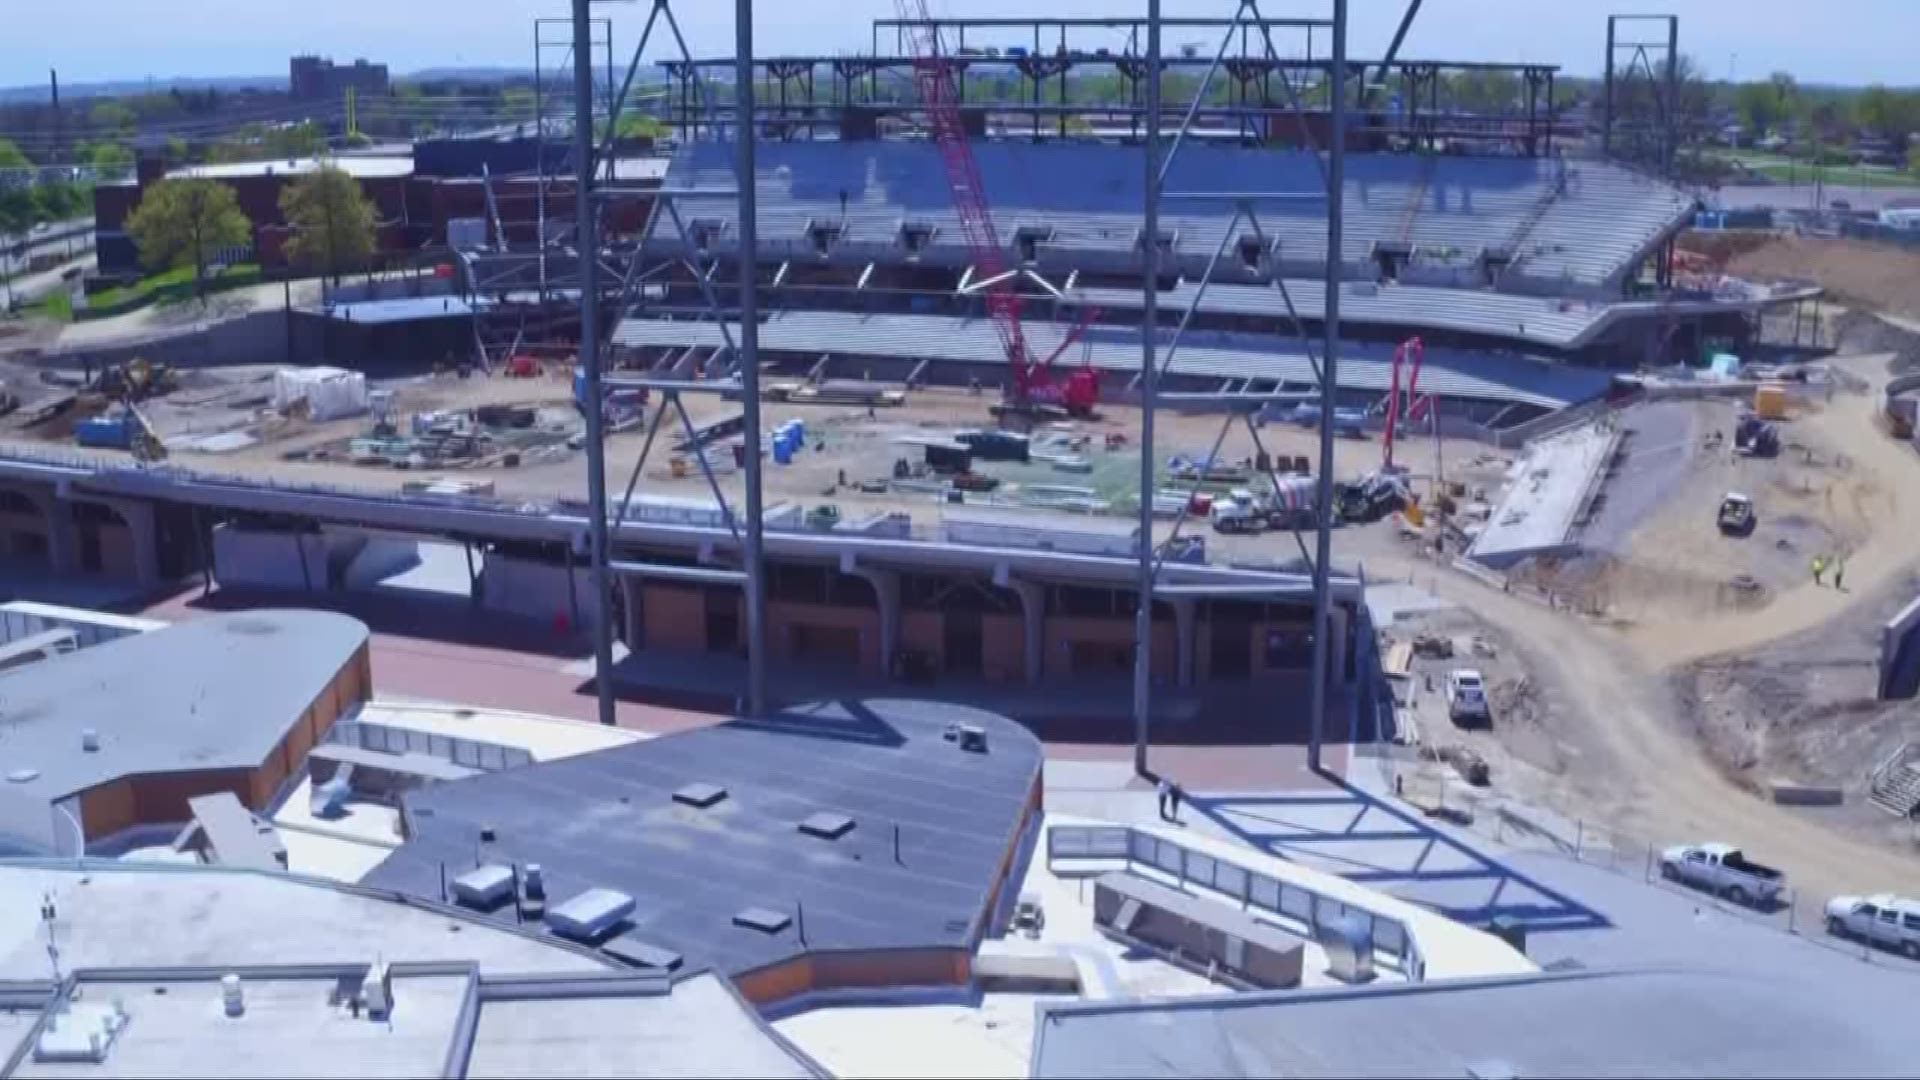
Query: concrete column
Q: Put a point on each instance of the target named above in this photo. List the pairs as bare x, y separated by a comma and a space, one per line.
144, 534
631, 593
1033, 612
886, 594
62, 556
1184, 610
1339, 620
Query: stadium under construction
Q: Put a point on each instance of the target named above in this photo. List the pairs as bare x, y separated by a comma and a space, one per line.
946, 215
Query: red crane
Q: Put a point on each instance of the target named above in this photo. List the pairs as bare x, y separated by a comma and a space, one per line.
1415, 348
1032, 388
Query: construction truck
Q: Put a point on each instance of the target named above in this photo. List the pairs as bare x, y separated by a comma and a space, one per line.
1755, 437
1371, 497
1239, 511
1736, 515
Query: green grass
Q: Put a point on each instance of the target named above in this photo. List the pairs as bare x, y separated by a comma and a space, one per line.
173, 286
56, 305
124, 293
1786, 170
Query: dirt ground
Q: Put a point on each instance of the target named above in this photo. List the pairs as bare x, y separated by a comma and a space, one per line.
1877, 276
842, 443
1812, 500
1804, 709
1664, 728
1536, 749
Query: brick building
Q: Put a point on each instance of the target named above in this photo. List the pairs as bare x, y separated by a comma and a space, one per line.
312, 78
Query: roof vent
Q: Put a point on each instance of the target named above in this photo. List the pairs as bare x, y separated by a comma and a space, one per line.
762, 919
827, 825
89, 740
232, 997
700, 796
642, 953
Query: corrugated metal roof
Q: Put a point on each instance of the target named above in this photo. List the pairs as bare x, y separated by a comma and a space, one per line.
1483, 376
1602, 1023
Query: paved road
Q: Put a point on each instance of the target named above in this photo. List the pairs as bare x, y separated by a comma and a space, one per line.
28, 288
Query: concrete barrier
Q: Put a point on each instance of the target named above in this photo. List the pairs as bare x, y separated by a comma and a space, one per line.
1794, 793
1900, 654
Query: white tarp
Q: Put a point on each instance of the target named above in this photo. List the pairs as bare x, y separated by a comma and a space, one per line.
330, 393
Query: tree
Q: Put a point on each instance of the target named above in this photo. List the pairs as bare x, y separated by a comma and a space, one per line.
332, 221
517, 104
1887, 113
639, 126
19, 208
114, 119
1759, 108
108, 158
187, 223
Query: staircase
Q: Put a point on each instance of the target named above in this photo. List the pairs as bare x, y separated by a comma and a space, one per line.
1428, 166
1896, 783
1538, 211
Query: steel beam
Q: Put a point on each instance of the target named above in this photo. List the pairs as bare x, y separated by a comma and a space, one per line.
1149, 388
1330, 385
749, 357
588, 226
704, 575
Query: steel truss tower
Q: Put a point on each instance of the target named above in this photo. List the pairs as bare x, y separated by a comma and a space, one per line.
738, 372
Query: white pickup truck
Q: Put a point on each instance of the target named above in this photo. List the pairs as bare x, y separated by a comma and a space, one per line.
1721, 869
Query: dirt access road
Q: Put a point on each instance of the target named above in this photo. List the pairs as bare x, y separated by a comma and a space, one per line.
1660, 783
1847, 424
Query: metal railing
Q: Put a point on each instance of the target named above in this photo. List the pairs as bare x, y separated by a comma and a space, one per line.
1425, 785
1297, 907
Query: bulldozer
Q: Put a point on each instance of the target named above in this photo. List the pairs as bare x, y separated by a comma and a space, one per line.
136, 380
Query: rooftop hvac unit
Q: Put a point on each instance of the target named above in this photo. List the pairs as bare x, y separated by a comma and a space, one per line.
484, 887
590, 915
376, 993
1348, 941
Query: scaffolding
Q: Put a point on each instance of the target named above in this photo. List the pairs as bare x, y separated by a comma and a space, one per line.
1030, 89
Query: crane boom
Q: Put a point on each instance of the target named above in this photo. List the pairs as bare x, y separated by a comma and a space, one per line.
933, 75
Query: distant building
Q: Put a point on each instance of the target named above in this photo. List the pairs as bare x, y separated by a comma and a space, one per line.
315, 79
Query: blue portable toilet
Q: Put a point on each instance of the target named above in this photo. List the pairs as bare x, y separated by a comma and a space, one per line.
782, 451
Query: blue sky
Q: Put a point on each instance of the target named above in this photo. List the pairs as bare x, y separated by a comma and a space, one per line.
1851, 41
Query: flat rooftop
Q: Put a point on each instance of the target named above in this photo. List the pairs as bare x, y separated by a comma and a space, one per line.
302, 950
1575, 1024
107, 915
700, 1029
215, 693
177, 1027
927, 827
362, 168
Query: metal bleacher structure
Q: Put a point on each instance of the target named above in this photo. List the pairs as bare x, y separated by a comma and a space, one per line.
1075, 206
1520, 259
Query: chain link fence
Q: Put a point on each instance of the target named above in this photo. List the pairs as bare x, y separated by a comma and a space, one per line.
1432, 788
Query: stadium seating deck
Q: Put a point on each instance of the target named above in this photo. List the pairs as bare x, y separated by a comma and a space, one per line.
1546, 321
1583, 222
1231, 357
